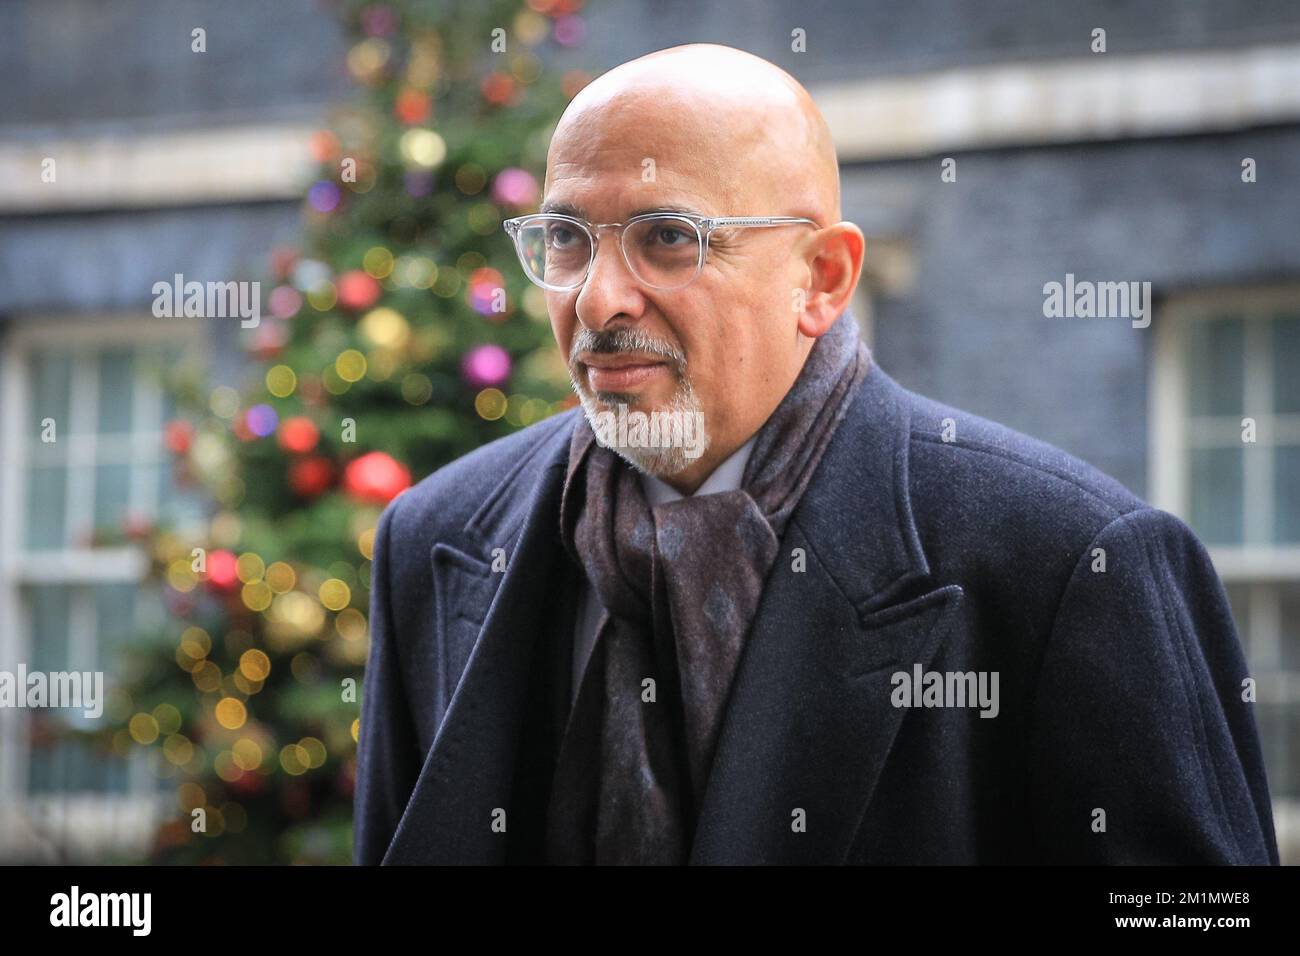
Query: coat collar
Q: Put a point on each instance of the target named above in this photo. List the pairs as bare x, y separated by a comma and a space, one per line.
808, 724
861, 524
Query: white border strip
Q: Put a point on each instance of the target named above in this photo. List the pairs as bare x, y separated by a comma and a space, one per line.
1102, 96
242, 163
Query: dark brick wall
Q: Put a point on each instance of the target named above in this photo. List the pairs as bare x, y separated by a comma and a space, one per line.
848, 39
98, 61
972, 332
105, 61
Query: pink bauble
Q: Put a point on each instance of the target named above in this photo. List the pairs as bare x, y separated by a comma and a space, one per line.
485, 366
515, 187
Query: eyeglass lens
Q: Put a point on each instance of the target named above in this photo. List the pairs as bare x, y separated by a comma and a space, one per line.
663, 252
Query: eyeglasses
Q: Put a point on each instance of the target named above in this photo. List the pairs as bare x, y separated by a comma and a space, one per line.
664, 251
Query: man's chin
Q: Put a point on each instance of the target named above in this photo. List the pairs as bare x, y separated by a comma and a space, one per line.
656, 462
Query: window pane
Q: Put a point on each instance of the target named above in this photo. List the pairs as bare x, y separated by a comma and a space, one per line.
112, 491
46, 495
51, 388
115, 391
1286, 494
1286, 367
1216, 494
1279, 732
1215, 363
115, 616
68, 765
153, 368
62, 762
50, 762
48, 604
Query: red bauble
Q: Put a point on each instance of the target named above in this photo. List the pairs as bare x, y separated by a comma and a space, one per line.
298, 435
498, 88
309, 477
412, 106
324, 146
376, 478
222, 572
358, 290
177, 437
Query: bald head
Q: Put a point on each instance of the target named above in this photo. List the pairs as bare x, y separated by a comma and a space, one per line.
734, 123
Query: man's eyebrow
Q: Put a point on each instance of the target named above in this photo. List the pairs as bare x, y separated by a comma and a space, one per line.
562, 208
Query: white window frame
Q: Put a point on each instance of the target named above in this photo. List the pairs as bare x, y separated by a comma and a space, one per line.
89, 822
1167, 472
1256, 567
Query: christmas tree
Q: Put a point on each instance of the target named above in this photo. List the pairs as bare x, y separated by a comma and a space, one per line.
399, 337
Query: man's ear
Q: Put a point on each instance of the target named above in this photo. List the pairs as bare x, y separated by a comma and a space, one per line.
835, 263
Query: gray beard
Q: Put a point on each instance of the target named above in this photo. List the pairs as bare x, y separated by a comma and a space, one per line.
658, 462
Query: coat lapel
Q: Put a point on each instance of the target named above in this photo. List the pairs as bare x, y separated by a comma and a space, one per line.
809, 723
468, 773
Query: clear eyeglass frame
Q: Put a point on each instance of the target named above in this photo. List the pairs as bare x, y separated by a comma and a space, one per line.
704, 228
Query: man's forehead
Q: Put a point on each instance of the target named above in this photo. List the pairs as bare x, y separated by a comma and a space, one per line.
622, 184
634, 158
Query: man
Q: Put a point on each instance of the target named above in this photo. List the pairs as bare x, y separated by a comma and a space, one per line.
837, 623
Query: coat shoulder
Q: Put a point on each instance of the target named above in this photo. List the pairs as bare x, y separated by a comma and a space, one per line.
441, 504
1000, 486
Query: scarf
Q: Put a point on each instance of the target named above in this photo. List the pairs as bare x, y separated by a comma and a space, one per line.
680, 584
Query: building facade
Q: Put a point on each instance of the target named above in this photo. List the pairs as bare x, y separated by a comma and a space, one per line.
990, 153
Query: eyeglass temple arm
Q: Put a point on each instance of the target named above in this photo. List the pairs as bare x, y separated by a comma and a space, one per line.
747, 221
513, 224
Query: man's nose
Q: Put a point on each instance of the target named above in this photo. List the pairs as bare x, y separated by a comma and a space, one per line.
611, 289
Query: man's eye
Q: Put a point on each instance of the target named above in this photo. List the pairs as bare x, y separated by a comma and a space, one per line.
670, 236
559, 236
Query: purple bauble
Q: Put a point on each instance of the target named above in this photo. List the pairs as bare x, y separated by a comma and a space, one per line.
262, 420
323, 196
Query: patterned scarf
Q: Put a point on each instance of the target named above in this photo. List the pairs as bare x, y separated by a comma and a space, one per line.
680, 584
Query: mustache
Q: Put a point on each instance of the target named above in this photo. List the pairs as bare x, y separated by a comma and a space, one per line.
625, 340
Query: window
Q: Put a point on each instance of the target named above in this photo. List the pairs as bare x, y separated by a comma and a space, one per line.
84, 408
1226, 458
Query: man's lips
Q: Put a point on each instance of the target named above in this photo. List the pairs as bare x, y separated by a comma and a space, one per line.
617, 371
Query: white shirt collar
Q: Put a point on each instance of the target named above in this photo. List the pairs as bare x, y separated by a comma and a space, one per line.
726, 477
